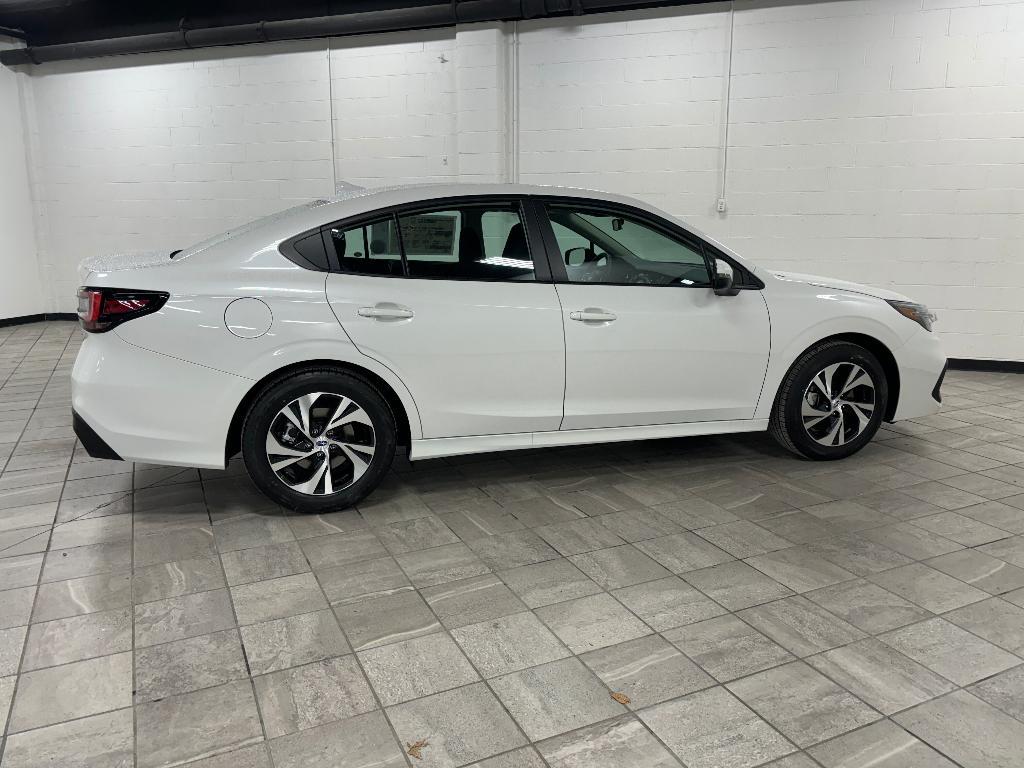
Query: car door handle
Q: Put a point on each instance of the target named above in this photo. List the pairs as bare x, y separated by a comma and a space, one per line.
385, 312
592, 315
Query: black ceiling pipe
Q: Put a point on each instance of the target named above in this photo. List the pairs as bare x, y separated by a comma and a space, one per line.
391, 20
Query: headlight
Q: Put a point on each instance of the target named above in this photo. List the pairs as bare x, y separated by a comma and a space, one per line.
919, 313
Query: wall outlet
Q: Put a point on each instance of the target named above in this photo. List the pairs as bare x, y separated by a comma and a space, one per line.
721, 207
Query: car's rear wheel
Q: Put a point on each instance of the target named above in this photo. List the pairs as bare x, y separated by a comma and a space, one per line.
831, 402
318, 440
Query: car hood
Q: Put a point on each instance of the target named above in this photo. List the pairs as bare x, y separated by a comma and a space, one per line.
839, 285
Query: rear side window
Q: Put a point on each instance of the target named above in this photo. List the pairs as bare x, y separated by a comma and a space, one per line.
368, 249
475, 242
308, 252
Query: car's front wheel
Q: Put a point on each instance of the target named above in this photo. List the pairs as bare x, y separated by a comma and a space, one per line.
831, 402
318, 440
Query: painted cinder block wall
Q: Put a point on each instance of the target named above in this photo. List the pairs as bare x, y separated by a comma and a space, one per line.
21, 291
874, 140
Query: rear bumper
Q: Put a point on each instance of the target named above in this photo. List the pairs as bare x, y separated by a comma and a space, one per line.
94, 444
137, 405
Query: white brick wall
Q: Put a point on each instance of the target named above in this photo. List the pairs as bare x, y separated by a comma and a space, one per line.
907, 170
20, 289
630, 102
395, 108
874, 140
149, 152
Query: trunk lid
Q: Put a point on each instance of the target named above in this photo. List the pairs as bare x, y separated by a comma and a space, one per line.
119, 262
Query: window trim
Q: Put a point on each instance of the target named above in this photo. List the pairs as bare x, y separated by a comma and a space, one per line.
520, 203
664, 226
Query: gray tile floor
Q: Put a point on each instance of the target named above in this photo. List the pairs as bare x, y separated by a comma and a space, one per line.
706, 602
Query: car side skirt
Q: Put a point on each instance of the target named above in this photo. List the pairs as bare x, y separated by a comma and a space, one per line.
433, 448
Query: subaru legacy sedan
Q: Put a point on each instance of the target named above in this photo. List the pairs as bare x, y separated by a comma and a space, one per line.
459, 319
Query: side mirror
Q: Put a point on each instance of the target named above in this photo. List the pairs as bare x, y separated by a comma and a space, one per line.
722, 284
577, 257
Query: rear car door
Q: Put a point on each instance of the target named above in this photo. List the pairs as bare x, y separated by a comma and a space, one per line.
455, 297
647, 339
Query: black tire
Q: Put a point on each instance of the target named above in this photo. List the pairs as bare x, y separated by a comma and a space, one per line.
265, 412
786, 424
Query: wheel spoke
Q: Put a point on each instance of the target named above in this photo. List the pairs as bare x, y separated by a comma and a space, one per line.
812, 415
343, 404
821, 383
358, 415
862, 412
285, 463
305, 404
869, 407
837, 435
276, 448
824, 380
328, 477
309, 486
290, 415
857, 377
359, 464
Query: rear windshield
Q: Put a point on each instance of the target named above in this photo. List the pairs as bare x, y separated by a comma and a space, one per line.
243, 228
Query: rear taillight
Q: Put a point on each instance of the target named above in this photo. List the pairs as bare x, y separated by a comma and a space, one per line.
100, 309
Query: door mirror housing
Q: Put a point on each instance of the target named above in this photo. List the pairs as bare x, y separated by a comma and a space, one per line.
723, 281
577, 257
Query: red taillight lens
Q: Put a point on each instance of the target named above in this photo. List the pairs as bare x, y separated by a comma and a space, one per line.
89, 302
100, 309
124, 306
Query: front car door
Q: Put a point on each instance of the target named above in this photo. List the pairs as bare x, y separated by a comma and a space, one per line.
456, 298
647, 339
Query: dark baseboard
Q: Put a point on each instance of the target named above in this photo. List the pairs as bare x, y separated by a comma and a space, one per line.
992, 366
38, 318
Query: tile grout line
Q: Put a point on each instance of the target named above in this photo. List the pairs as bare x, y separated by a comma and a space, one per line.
6, 734
238, 631
857, 576
359, 662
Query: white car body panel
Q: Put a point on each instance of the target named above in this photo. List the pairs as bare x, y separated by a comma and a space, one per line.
482, 357
671, 355
456, 446
481, 366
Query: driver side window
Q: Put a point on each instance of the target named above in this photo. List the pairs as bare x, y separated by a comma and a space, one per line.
599, 246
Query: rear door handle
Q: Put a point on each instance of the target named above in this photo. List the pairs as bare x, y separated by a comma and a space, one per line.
385, 311
592, 315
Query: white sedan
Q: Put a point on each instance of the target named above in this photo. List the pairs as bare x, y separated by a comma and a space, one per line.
459, 319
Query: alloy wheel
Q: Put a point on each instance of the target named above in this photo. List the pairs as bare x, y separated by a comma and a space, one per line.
320, 443
838, 404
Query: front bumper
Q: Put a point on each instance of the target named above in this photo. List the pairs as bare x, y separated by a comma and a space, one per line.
137, 405
937, 391
922, 364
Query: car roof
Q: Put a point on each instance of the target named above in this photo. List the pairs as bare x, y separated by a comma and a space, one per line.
381, 197
351, 201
